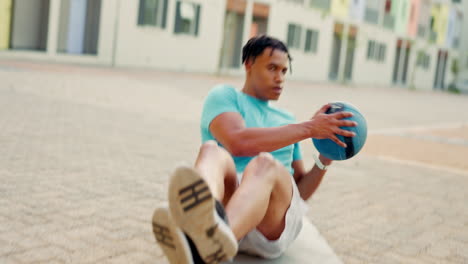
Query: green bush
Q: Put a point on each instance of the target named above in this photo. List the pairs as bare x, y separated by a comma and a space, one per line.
453, 88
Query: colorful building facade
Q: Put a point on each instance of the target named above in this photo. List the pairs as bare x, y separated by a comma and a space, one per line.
408, 43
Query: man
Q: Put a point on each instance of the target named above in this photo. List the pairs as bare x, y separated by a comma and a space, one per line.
246, 189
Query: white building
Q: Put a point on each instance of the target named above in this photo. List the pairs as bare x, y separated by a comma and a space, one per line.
59, 30
207, 36
463, 47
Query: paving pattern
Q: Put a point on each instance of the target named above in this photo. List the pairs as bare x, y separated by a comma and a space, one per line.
87, 151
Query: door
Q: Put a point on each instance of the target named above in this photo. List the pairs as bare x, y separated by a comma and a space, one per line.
400, 68
234, 30
343, 49
439, 80
396, 64
350, 49
232, 41
30, 24
5, 23
79, 26
336, 52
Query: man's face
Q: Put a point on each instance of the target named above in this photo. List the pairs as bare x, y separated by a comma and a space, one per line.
266, 74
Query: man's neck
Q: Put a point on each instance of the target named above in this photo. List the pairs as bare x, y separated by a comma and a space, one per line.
249, 90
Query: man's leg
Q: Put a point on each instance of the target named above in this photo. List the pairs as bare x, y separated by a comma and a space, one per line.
262, 199
175, 245
217, 168
194, 195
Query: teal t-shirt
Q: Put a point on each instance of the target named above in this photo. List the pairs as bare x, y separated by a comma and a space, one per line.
255, 112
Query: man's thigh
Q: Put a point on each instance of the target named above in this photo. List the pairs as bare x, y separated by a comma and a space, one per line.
256, 243
273, 223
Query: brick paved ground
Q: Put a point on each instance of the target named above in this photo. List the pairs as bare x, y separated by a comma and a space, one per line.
86, 153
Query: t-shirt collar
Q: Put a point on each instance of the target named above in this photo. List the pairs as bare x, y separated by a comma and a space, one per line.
255, 99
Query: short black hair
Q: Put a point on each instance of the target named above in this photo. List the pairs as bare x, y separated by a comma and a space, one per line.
256, 45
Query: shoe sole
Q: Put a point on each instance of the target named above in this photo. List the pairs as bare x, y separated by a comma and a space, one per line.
170, 238
192, 207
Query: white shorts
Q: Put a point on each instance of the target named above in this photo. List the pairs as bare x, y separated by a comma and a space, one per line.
255, 243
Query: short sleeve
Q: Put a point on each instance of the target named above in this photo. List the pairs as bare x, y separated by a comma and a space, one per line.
220, 99
297, 153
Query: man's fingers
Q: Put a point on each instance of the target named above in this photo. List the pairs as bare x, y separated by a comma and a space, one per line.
345, 133
346, 123
324, 108
337, 141
341, 115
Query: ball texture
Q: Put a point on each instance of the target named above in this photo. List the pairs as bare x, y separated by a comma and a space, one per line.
333, 151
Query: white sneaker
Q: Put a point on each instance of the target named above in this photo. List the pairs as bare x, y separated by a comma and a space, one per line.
175, 245
200, 216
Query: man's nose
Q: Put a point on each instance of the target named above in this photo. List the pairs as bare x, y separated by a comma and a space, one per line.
279, 77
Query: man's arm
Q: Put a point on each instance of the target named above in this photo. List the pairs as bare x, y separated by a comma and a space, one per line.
308, 182
229, 129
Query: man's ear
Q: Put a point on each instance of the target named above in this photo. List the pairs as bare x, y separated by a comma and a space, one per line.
248, 64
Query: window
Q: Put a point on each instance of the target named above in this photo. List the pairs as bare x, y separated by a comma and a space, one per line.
424, 19
456, 43
388, 19
371, 15
153, 13
426, 61
382, 51
423, 59
299, 2
432, 36
421, 31
370, 49
432, 33
187, 18
311, 41
388, 6
373, 10
376, 51
320, 4
294, 36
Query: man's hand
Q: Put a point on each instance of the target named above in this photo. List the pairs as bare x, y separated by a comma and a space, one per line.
324, 125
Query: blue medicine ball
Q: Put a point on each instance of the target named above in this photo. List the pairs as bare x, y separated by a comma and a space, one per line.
333, 151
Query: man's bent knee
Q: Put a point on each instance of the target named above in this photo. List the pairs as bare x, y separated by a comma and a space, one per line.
209, 144
264, 166
265, 158
212, 146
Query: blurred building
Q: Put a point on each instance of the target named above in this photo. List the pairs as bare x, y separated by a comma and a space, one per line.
407, 43
463, 44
